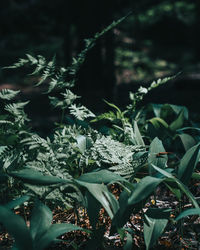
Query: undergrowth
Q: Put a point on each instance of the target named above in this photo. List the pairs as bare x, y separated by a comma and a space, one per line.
139, 151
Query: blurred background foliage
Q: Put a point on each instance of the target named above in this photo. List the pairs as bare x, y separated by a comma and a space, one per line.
159, 38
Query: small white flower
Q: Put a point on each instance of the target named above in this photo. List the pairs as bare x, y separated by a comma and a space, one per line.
142, 90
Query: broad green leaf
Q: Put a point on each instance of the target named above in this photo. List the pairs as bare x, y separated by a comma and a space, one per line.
156, 109
40, 220
178, 123
16, 226
17, 202
138, 136
155, 222
158, 123
188, 164
180, 185
93, 208
188, 212
97, 239
187, 141
129, 242
143, 189
177, 109
35, 177
102, 176
174, 189
102, 194
196, 176
84, 143
156, 147
54, 231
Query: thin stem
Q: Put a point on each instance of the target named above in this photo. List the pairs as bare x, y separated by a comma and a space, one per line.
62, 117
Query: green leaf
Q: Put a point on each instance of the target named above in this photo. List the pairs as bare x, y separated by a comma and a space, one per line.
188, 164
17, 202
138, 136
8, 94
16, 226
173, 188
93, 208
35, 177
180, 185
187, 141
156, 109
196, 176
40, 220
143, 189
113, 106
54, 231
177, 109
102, 176
129, 242
102, 194
158, 123
178, 123
155, 222
156, 147
84, 143
188, 212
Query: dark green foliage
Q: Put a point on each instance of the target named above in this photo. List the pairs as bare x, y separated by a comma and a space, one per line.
77, 165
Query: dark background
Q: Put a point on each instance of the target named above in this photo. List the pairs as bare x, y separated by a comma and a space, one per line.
158, 39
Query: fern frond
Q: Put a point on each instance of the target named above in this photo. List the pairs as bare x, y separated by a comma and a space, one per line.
17, 110
48, 71
68, 99
8, 94
80, 112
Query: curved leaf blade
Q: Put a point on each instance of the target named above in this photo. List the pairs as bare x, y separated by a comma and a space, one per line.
36, 178
17, 202
155, 222
143, 189
17, 228
188, 164
102, 176
188, 212
40, 220
54, 231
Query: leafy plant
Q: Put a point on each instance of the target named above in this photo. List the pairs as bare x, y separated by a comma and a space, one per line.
77, 166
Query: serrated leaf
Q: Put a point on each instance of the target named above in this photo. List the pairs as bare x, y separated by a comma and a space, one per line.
8, 94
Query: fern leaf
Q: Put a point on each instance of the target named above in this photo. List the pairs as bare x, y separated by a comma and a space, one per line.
8, 94
80, 112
